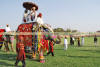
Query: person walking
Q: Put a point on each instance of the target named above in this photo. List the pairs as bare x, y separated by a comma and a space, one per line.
20, 52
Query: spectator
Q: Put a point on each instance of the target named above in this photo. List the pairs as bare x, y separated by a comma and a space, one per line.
65, 43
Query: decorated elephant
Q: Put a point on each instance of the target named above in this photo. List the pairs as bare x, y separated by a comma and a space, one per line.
35, 34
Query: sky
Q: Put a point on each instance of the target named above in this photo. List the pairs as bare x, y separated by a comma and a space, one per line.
83, 15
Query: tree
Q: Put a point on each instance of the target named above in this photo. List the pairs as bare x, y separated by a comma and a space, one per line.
73, 31
68, 30
58, 30
98, 31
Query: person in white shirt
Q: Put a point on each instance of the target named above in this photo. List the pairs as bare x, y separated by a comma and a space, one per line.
30, 16
65, 43
8, 28
39, 19
82, 41
33, 14
8, 40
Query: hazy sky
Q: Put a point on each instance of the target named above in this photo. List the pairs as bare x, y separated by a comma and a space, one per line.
83, 15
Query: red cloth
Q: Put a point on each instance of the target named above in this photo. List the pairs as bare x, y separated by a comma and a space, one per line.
26, 28
1, 31
46, 44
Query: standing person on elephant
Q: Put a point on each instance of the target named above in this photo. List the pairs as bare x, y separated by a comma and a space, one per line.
32, 15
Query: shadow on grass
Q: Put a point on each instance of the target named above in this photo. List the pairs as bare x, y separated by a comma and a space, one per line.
58, 49
83, 57
31, 59
8, 57
94, 51
63, 55
91, 46
5, 64
37, 60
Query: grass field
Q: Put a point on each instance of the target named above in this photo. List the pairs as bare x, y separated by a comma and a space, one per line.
85, 56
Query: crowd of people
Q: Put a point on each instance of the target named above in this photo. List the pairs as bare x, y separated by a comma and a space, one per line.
80, 42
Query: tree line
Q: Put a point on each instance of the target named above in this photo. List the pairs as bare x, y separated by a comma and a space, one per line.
65, 30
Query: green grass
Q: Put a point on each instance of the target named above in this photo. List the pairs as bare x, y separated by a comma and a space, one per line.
85, 56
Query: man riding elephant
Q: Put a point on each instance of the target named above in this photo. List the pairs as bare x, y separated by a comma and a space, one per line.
31, 16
